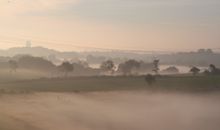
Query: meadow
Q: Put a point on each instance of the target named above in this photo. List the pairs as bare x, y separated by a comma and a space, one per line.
109, 102
123, 110
181, 83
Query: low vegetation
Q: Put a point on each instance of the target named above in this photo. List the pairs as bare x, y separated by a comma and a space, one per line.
108, 83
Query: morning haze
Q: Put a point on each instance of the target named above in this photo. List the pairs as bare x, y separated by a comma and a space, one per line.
109, 64
141, 24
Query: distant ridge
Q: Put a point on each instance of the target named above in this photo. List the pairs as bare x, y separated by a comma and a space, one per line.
35, 51
202, 57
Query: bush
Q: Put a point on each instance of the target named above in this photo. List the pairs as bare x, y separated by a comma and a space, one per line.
150, 79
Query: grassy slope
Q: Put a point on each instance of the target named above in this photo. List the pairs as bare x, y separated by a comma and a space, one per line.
167, 83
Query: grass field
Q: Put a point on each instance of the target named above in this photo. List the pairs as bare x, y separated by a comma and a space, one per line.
124, 110
178, 102
86, 84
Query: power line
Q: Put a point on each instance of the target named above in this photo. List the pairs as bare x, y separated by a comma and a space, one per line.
64, 43
21, 41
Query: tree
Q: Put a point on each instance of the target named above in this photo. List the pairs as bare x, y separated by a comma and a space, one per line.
171, 69
127, 67
150, 79
194, 70
209, 51
66, 67
206, 72
108, 66
156, 66
214, 70
35, 63
13, 65
201, 51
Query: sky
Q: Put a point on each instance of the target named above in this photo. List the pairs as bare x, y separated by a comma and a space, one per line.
152, 25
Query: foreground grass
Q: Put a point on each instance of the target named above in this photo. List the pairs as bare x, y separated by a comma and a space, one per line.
11, 123
114, 104
105, 83
119, 110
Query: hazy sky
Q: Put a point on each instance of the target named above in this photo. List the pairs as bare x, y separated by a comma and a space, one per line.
121, 24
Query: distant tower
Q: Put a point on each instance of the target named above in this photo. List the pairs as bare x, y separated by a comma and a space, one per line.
28, 44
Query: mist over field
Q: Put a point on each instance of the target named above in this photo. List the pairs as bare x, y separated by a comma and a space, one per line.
62, 91
109, 65
110, 111
37, 94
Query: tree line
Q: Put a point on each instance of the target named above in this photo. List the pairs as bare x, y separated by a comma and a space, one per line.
108, 67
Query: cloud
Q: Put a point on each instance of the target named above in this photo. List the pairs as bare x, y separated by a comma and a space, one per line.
13, 7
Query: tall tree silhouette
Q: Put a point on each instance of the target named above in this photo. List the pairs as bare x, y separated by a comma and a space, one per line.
156, 66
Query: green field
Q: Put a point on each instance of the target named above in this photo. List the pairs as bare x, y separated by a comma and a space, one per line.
108, 83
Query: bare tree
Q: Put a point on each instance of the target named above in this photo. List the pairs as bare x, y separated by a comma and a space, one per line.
156, 66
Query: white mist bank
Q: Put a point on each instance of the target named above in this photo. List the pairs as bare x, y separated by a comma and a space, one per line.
113, 111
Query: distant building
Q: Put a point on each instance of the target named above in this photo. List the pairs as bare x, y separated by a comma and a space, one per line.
28, 44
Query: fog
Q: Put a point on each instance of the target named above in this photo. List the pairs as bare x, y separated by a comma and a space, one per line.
111, 111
